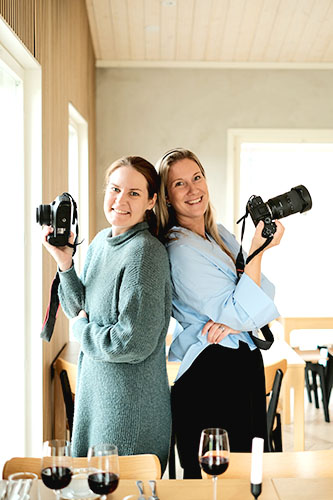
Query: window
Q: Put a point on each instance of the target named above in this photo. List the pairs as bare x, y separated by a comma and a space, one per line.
271, 166
20, 305
78, 178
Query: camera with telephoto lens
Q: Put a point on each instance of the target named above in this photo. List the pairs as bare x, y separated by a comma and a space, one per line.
296, 200
58, 215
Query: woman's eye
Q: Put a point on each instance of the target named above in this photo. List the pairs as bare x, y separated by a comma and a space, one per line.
179, 183
113, 188
197, 177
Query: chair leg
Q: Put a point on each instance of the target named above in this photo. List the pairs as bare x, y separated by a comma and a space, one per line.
277, 435
324, 394
307, 382
315, 388
172, 458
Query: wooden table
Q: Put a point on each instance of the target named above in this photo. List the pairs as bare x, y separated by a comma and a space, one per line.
228, 489
305, 489
299, 323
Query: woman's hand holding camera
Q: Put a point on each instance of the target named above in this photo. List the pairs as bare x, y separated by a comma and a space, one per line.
258, 240
62, 255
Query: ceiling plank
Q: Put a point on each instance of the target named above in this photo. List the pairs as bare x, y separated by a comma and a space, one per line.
263, 31
250, 17
136, 29
119, 15
168, 30
296, 29
231, 31
312, 29
280, 29
152, 29
216, 29
184, 29
202, 15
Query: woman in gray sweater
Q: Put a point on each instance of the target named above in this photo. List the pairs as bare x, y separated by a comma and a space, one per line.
122, 306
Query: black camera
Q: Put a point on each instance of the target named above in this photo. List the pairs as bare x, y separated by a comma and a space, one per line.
58, 215
296, 200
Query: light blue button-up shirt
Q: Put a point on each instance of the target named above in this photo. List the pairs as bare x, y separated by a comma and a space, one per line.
205, 287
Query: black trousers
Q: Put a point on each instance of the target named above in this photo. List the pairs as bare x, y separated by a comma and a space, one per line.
222, 388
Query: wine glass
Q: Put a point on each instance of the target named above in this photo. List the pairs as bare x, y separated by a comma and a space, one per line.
103, 463
214, 453
56, 470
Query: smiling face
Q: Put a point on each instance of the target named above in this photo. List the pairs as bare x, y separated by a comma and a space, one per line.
188, 193
126, 199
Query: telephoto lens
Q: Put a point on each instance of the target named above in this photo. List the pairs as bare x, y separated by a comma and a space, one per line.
296, 200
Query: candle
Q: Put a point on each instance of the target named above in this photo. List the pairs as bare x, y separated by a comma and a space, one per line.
257, 459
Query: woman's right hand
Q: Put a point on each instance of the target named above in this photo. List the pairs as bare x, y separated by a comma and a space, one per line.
62, 255
258, 240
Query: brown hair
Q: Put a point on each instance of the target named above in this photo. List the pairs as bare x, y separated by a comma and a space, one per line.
150, 174
166, 217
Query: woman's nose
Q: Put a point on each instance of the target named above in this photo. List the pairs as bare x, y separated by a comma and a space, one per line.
192, 188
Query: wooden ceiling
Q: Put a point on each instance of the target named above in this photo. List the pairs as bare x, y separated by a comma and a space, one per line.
208, 33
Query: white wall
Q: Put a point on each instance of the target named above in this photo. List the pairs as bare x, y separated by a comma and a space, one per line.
147, 111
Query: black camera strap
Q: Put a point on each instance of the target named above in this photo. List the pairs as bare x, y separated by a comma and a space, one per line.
240, 265
53, 307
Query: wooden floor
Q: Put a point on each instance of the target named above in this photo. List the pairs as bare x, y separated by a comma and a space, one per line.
318, 433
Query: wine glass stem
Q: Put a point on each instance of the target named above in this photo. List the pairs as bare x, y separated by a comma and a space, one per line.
214, 487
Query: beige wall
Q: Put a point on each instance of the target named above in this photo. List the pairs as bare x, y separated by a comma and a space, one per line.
147, 111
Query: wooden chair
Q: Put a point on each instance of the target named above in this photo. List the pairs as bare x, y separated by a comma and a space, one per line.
319, 365
131, 467
273, 376
67, 371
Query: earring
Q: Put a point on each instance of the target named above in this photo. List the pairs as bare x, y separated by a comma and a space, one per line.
168, 204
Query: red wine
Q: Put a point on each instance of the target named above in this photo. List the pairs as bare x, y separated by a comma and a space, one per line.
103, 483
214, 466
56, 477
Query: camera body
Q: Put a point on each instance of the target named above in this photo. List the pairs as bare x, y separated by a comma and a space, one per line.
296, 200
58, 215
260, 211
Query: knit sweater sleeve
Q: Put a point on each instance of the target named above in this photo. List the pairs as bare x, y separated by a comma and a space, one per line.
144, 295
71, 293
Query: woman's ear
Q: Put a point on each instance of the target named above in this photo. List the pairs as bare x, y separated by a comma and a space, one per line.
152, 202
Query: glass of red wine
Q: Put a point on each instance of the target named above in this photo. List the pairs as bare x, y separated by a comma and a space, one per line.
103, 463
214, 453
56, 472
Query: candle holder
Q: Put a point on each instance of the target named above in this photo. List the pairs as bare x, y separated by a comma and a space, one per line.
255, 490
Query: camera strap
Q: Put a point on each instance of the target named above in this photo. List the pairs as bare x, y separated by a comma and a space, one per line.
53, 307
240, 265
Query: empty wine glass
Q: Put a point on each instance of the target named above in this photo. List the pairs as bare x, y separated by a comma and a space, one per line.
103, 476
56, 467
214, 453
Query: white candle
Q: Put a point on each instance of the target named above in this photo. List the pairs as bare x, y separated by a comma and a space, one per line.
257, 459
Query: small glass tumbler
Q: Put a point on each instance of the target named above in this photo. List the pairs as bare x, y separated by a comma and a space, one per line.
24, 484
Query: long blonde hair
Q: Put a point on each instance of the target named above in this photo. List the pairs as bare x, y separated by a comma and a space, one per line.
166, 216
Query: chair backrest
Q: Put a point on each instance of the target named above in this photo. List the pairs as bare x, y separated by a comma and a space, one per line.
270, 371
273, 375
131, 467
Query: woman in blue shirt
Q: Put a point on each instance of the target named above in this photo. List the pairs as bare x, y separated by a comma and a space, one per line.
221, 379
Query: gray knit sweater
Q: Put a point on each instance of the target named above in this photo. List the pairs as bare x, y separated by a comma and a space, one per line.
122, 394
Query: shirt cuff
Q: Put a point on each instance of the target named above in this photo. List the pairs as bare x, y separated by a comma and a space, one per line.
257, 304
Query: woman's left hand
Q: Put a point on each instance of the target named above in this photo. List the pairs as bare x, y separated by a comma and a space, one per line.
217, 331
82, 314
